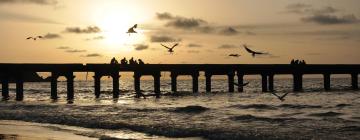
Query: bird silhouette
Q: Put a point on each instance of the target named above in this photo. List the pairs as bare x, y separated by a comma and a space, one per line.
236, 84
131, 30
281, 98
34, 38
234, 55
253, 53
170, 49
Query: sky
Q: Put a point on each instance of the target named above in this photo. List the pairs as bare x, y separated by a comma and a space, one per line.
94, 31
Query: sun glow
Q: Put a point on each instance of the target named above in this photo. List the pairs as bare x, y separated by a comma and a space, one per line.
115, 23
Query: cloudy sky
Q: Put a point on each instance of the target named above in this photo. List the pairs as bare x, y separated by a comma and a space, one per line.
94, 31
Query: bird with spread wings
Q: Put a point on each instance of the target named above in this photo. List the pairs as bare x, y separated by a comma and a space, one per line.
170, 49
253, 53
132, 30
34, 38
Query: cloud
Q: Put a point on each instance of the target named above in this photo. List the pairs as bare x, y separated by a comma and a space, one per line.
181, 22
51, 36
38, 2
63, 48
163, 38
228, 46
193, 45
25, 18
87, 30
229, 31
300, 8
331, 19
164, 16
75, 51
140, 47
93, 55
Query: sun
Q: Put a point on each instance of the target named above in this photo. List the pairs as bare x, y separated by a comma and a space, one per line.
114, 24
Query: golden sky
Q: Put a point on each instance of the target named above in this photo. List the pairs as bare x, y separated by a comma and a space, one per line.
94, 31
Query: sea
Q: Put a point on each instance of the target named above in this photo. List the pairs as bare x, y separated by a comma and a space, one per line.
311, 114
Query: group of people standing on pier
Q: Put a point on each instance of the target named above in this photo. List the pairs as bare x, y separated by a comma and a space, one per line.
297, 62
124, 61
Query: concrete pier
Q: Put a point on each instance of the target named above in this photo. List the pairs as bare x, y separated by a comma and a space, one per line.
5, 87
354, 81
195, 82
208, 82
264, 83
173, 83
240, 81
327, 81
70, 86
271, 82
116, 90
54, 78
297, 78
231, 82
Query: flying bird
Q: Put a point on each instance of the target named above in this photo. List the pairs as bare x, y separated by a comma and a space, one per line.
170, 50
34, 38
131, 30
253, 53
244, 84
234, 55
281, 98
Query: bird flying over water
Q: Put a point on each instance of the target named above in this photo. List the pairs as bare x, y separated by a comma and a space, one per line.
170, 49
131, 30
253, 53
281, 98
234, 55
236, 84
34, 38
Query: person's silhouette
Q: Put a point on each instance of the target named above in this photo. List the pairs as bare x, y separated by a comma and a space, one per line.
131, 61
140, 61
114, 61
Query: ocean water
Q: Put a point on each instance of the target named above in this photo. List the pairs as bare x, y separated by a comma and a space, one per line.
312, 114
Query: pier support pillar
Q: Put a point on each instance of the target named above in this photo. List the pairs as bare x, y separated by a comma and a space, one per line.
297, 78
116, 90
231, 82
264, 83
5, 88
240, 81
195, 83
157, 85
54, 78
137, 82
354, 81
327, 81
173, 82
271, 82
19, 88
208, 82
97, 80
70, 86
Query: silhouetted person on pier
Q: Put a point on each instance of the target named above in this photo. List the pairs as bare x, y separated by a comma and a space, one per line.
303, 62
292, 62
114, 61
123, 61
131, 61
135, 62
141, 62
297, 62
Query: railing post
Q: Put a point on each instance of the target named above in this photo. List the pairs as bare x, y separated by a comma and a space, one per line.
19, 87
116, 90
97, 84
195, 82
5, 87
327, 81
173, 82
264, 81
240, 81
54, 78
157, 84
271, 82
137, 82
231, 82
70, 86
208, 82
354, 81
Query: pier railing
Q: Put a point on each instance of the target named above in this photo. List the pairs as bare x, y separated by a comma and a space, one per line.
267, 72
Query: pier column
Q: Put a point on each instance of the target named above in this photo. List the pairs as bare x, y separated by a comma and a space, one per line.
19, 88
157, 85
137, 82
5, 88
240, 81
173, 82
54, 78
354, 81
231, 82
208, 82
195, 82
264, 82
116, 90
97, 80
70, 86
297, 78
271, 82
327, 81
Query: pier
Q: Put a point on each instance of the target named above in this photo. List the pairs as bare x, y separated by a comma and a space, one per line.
266, 71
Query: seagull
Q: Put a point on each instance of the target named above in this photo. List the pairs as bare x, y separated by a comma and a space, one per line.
170, 50
131, 30
234, 55
253, 53
34, 38
281, 98
236, 84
